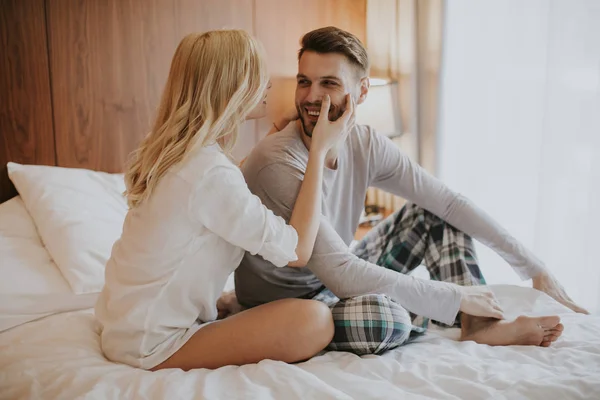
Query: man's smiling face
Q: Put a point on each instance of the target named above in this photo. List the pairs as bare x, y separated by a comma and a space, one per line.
321, 74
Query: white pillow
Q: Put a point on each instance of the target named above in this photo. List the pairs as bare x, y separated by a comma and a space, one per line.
31, 286
79, 215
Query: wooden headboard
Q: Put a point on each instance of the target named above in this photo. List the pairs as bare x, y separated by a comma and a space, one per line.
80, 80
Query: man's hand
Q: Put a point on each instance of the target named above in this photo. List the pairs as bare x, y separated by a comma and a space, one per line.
480, 301
547, 283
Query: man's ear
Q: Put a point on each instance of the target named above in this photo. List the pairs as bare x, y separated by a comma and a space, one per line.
364, 89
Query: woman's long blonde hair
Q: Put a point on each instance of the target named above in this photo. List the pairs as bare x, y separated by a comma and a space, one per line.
216, 79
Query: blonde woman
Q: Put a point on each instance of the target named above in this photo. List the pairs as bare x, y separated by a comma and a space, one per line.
192, 217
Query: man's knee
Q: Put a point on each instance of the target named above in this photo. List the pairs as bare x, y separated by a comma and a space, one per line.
369, 324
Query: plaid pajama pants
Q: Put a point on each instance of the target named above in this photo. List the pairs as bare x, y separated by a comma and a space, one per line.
374, 323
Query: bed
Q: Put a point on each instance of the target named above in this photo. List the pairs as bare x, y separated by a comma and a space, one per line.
49, 339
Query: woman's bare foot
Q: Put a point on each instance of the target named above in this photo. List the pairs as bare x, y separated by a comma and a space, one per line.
528, 331
227, 305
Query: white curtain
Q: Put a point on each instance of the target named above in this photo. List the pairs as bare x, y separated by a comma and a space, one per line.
404, 41
520, 129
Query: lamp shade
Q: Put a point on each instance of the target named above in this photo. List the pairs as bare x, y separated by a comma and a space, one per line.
381, 109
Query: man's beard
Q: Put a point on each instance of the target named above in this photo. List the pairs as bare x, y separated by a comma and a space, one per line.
309, 126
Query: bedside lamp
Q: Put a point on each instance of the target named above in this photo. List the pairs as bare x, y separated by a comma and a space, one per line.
381, 109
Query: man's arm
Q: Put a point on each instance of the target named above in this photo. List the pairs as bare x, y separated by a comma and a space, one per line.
348, 276
394, 172
345, 274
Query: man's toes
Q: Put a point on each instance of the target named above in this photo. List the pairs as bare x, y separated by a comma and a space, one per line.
552, 330
549, 322
557, 328
551, 337
556, 334
556, 331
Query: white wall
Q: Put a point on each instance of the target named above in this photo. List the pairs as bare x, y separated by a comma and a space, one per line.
520, 129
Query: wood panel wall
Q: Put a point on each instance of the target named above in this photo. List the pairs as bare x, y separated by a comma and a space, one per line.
109, 61
82, 79
26, 133
281, 24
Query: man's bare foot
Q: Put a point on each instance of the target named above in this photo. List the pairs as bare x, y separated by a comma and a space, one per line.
528, 331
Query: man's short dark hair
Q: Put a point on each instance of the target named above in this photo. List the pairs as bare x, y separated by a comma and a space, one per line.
334, 40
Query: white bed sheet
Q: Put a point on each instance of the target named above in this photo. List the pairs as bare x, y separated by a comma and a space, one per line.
59, 357
31, 286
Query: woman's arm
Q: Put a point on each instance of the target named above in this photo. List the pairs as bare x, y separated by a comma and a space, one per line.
307, 209
222, 202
